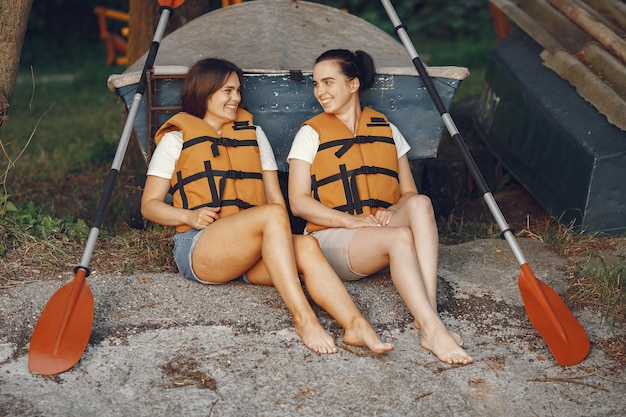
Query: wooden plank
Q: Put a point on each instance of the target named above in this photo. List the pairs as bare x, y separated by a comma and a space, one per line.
528, 24
614, 10
606, 66
588, 85
598, 30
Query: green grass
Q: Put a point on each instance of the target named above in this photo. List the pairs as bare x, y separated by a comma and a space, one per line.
73, 118
604, 281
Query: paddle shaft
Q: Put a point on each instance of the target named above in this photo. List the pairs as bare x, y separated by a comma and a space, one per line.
124, 139
454, 133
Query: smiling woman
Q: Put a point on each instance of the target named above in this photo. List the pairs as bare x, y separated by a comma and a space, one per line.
350, 178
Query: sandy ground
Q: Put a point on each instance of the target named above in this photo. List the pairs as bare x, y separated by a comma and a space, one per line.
162, 345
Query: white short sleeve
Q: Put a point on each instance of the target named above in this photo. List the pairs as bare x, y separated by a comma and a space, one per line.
402, 146
268, 160
165, 156
304, 145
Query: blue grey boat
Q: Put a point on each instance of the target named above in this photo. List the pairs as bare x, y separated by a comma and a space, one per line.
276, 42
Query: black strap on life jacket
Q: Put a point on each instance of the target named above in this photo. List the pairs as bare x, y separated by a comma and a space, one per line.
233, 174
354, 203
347, 143
378, 122
219, 142
216, 196
245, 125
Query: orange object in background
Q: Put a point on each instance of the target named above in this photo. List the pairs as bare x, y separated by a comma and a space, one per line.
116, 44
500, 24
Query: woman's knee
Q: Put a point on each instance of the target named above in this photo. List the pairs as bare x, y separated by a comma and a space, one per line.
275, 213
275, 208
306, 246
421, 205
403, 237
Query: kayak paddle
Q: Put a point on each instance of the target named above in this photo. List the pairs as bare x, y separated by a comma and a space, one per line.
555, 323
63, 329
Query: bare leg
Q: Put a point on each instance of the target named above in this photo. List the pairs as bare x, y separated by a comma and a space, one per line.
417, 213
394, 247
238, 242
327, 290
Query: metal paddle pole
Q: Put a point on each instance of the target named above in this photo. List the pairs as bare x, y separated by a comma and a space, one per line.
124, 140
63, 329
565, 337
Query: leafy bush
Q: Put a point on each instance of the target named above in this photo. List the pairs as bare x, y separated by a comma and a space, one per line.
17, 223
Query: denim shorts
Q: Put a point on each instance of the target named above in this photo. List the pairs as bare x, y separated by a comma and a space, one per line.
184, 244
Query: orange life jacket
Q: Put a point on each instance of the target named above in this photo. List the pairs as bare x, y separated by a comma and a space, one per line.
216, 170
357, 174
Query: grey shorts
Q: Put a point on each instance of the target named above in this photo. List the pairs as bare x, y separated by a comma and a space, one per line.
184, 244
335, 243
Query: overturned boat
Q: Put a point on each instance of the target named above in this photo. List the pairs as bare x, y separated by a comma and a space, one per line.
276, 42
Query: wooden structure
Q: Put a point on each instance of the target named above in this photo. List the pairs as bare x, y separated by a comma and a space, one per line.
116, 44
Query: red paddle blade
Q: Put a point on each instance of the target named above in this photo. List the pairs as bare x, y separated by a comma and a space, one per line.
171, 3
62, 332
565, 336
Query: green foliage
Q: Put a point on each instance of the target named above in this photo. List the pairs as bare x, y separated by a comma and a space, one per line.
432, 19
454, 230
19, 224
77, 121
605, 282
29, 219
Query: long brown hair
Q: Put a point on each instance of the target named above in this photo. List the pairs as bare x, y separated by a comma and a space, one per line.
205, 77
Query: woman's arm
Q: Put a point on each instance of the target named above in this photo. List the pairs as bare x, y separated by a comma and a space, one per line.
405, 176
407, 189
273, 194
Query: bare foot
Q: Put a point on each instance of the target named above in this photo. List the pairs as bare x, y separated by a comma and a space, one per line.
363, 335
315, 337
453, 335
439, 341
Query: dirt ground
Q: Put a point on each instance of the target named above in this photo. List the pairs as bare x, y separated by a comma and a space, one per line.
162, 345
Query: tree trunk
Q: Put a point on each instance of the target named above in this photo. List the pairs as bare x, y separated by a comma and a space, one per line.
144, 17
13, 20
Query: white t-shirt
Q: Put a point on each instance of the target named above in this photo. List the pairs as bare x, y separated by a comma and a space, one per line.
307, 141
165, 156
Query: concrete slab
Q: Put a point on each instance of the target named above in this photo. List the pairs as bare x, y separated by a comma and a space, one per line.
162, 345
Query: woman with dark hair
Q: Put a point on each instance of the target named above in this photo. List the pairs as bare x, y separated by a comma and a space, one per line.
230, 216
350, 179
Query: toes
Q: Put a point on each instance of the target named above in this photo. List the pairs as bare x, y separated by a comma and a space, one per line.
323, 349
